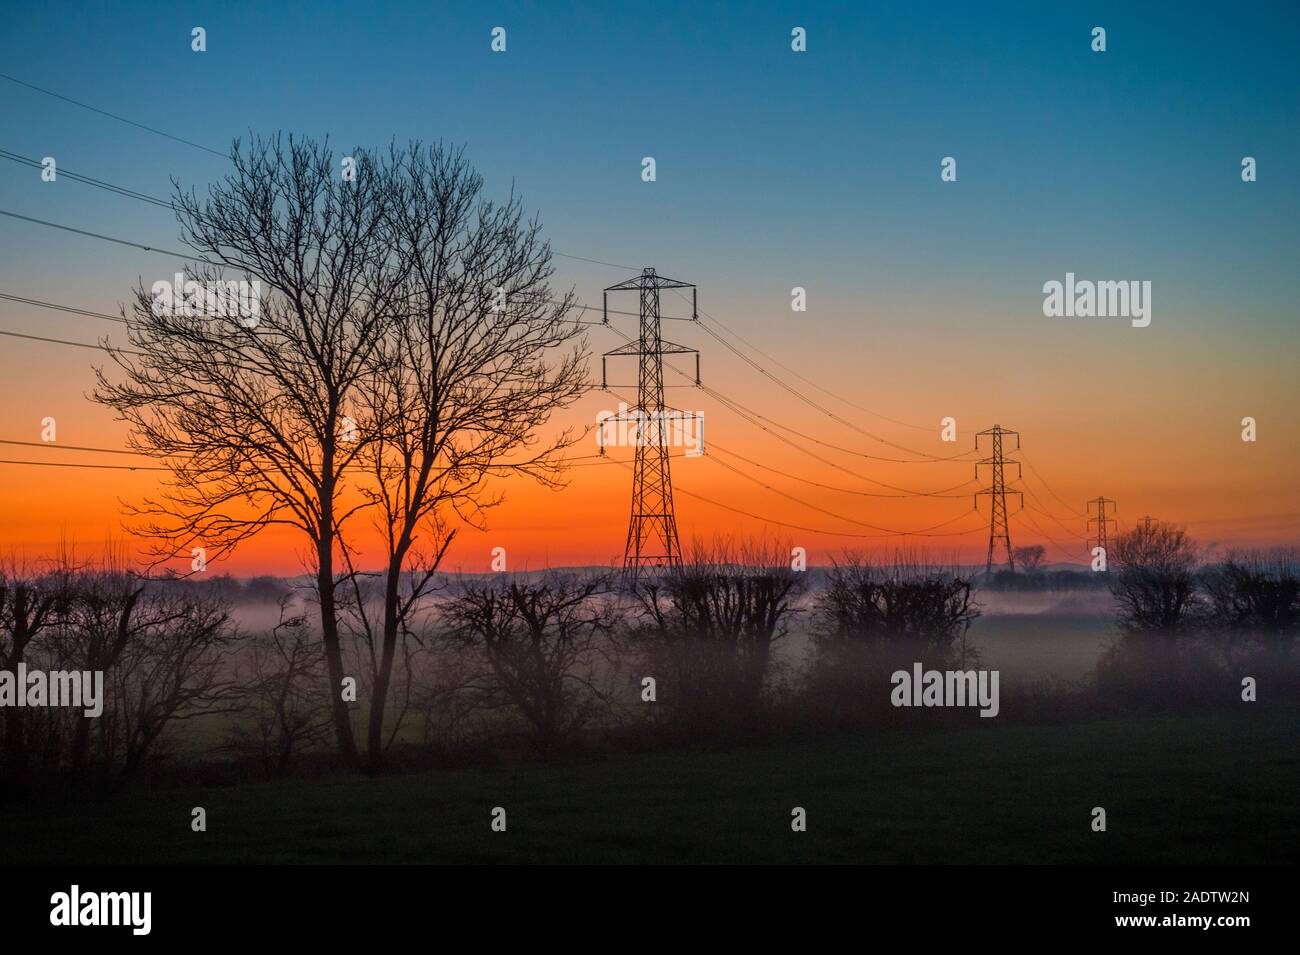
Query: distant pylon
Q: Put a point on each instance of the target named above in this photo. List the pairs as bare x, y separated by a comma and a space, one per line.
999, 531
652, 531
1103, 523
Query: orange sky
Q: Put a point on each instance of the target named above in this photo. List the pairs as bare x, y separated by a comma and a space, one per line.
1150, 418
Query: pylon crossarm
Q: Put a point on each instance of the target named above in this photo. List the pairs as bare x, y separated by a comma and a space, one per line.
631, 348
672, 348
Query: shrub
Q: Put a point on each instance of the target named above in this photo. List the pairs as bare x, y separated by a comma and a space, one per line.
283, 689
540, 642
711, 624
163, 651
900, 600
1257, 593
878, 616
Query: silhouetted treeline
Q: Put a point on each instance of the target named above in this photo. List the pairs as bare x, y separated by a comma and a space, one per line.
255, 590
541, 664
1044, 580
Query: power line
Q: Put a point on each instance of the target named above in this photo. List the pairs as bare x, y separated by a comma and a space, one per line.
780, 523
885, 531
828, 444
755, 419
1049, 538
127, 351
135, 195
108, 238
88, 180
98, 467
61, 341
776, 361
888, 532
147, 248
751, 416
189, 257
122, 321
826, 411
144, 197
1033, 470
1041, 509
714, 446
745, 415
103, 112
63, 308
1043, 513
57, 446
130, 193
583, 258
68, 447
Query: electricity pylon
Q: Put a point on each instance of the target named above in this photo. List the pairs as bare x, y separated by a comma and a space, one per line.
652, 532
1103, 523
997, 491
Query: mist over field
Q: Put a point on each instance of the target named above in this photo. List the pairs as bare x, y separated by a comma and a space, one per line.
1043, 633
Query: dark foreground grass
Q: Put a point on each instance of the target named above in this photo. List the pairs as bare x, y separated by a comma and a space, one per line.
1205, 789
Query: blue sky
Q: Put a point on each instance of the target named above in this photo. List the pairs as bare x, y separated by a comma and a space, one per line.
770, 164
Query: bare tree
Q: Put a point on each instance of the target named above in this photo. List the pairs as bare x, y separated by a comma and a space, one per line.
1029, 558
170, 672
462, 379
1155, 582
163, 652
249, 417
384, 376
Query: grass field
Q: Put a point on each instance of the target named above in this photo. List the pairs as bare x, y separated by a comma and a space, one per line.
1205, 789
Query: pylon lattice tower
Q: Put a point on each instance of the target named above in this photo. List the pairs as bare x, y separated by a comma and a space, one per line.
999, 531
1103, 522
652, 531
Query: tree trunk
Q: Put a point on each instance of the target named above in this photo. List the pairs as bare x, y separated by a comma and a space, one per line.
333, 647
13, 759
378, 699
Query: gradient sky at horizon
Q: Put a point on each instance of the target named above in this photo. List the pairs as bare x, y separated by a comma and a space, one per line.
775, 170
